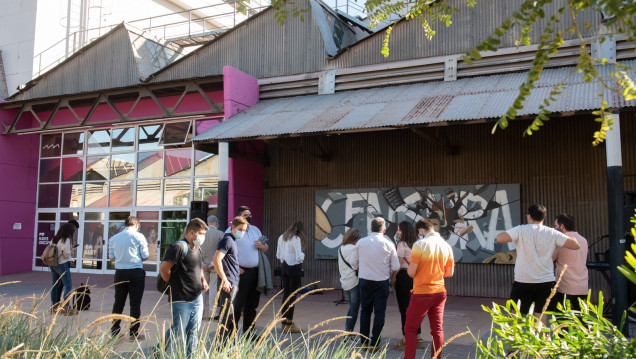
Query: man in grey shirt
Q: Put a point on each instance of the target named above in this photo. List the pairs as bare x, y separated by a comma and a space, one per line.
208, 248
128, 249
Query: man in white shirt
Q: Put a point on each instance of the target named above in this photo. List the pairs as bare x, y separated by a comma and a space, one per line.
534, 270
376, 259
247, 297
574, 283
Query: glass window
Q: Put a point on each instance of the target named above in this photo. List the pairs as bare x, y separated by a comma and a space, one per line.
206, 189
72, 169
97, 168
206, 164
67, 216
46, 216
150, 164
147, 215
46, 232
176, 192
48, 195
150, 230
170, 233
149, 137
94, 216
96, 194
174, 215
176, 133
51, 145
93, 245
121, 194
98, 142
50, 170
71, 195
178, 162
73, 143
149, 193
122, 166
123, 139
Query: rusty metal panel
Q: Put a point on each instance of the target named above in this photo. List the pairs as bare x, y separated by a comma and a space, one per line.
469, 26
472, 98
556, 166
260, 47
105, 64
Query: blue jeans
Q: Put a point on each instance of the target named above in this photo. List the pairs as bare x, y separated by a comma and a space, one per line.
373, 298
353, 297
62, 271
186, 320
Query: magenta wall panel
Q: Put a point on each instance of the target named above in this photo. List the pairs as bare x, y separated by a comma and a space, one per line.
64, 116
18, 164
103, 113
7, 116
145, 108
240, 91
193, 102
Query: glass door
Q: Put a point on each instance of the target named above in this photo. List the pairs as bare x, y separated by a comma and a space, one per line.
91, 258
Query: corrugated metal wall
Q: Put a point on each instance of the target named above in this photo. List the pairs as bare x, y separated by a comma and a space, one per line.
556, 166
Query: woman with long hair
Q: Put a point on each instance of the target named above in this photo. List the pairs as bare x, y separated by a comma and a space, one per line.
349, 277
401, 281
290, 252
61, 274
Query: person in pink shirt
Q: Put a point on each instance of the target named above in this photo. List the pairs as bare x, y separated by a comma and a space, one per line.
574, 283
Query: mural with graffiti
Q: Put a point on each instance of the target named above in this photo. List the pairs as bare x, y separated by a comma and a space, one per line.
468, 217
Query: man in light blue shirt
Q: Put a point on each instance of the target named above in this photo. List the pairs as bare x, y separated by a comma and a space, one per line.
128, 249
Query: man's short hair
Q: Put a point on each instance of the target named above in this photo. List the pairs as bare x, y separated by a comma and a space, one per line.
377, 224
537, 212
196, 225
212, 219
238, 220
566, 220
131, 221
242, 209
425, 224
74, 223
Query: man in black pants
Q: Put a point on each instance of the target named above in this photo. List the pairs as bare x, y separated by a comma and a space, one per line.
247, 298
128, 249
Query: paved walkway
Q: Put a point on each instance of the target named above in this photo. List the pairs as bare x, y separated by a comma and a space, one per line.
462, 313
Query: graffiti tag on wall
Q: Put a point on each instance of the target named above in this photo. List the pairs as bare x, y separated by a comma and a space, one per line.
468, 217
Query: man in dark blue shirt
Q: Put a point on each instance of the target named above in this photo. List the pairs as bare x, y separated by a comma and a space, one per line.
227, 268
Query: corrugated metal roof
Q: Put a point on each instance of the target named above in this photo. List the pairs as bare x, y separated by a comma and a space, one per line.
123, 57
464, 99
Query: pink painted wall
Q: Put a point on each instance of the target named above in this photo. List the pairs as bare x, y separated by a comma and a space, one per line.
240, 91
19, 168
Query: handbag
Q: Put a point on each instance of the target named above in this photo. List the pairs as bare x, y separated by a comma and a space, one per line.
50, 256
162, 286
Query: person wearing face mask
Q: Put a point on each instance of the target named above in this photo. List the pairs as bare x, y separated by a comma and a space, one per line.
208, 249
247, 297
227, 269
128, 249
187, 283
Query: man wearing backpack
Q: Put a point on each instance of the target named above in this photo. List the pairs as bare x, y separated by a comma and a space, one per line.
128, 249
181, 268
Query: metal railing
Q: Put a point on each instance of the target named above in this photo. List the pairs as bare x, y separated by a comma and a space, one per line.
206, 21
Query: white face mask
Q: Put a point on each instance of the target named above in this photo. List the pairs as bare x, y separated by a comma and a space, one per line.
239, 234
200, 239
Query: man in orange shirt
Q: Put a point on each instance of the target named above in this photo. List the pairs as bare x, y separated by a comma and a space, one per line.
431, 261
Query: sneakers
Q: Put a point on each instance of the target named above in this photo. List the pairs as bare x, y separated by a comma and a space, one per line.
138, 337
400, 345
289, 327
420, 343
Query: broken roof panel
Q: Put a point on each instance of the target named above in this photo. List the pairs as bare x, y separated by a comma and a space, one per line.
411, 105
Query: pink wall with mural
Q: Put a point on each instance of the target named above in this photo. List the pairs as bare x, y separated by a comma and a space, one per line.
240, 91
19, 166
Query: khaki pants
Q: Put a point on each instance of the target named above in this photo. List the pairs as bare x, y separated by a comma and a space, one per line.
210, 295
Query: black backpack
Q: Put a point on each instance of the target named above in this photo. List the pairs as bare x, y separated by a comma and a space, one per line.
82, 298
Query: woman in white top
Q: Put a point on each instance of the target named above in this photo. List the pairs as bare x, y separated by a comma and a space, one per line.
290, 252
349, 277
61, 274
401, 281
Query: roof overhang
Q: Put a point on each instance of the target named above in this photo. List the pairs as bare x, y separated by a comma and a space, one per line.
425, 104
